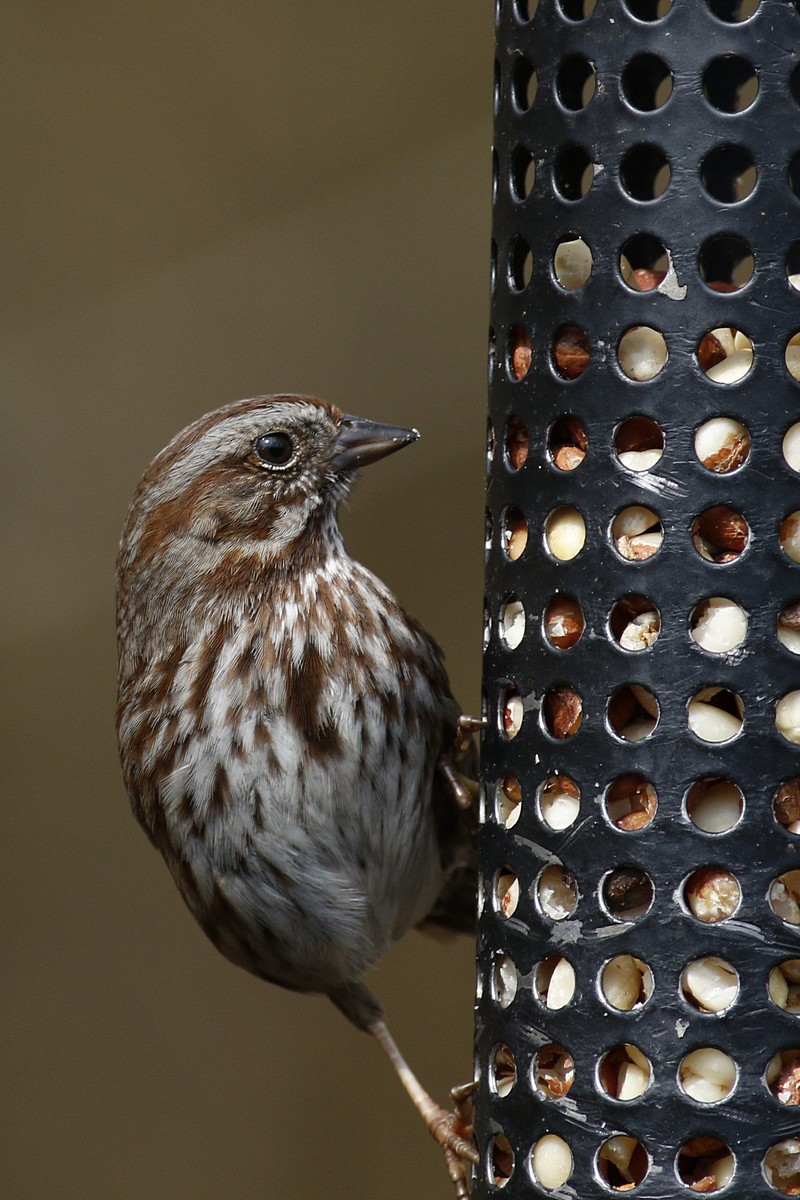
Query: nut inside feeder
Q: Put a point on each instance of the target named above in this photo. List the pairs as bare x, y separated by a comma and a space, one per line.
714, 805
710, 984
625, 1073
553, 1071
635, 622
782, 1167
626, 983
512, 622
639, 443
722, 444
786, 805
571, 352
572, 263
725, 355
705, 1164
557, 892
788, 627
644, 262
508, 801
708, 1075
554, 982
782, 1077
505, 981
720, 534
517, 443
642, 353
551, 1161
633, 712
504, 1071
559, 802
565, 532
563, 622
567, 442
718, 625
631, 803
622, 1162
783, 986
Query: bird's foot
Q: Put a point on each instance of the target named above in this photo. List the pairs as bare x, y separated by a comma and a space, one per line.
453, 1132
467, 727
450, 1130
464, 790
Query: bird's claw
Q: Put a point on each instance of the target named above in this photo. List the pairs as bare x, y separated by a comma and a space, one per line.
453, 1132
464, 790
461, 1095
466, 728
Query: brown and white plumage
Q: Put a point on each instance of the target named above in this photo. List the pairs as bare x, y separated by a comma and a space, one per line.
281, 718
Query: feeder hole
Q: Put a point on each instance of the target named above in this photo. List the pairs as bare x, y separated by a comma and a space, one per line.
637, 533
726, 262
563, 622
570, 352
512, 622
627, 893
515, 533
626, 983
624, 1073
647, 82
565, 533
705, 1164
720, 534
573, 172
730, 83
503, 1072
722, 445
517, 443
786, 805
551, 1162
635, 623
645, 172
572, 263
630, 803
553, 1071
714, 805
554, 982
622, 1162
707, 1075
524, 84
567, 442
562, 712
709, 984
718, 625
712, 894
632, 712
559, 801
508, 801
728, 173
642, 353
556, 892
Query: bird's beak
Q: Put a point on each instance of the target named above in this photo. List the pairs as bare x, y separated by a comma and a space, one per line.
361, 442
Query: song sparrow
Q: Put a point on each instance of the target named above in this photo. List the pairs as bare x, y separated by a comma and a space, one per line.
287, 733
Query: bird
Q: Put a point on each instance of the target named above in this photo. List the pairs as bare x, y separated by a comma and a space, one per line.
287, 733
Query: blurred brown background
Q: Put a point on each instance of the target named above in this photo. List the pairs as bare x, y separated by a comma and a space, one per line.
204, 202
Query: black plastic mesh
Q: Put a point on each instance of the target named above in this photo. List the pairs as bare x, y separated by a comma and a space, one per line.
666, 139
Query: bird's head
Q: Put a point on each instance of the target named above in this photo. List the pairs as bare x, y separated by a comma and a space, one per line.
265, 474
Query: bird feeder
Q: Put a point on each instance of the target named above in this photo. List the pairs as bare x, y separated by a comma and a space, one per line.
638, 1015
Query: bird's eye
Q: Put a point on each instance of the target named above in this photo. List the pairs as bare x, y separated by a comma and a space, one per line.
274, 449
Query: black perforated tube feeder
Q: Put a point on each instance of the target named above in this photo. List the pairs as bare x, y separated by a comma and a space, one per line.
638, 1020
